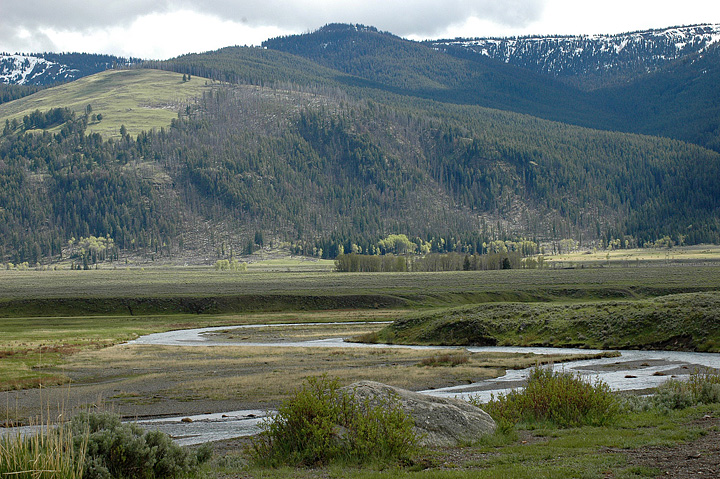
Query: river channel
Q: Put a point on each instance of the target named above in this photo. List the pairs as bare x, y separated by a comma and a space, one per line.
631, 371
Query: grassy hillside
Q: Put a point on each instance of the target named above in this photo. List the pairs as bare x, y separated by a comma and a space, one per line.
683, 322
139, 99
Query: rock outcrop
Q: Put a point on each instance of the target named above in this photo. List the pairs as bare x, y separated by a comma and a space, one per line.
438, 421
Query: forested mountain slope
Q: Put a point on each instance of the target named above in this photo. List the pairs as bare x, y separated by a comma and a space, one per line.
413, 69
322, 171
330, 141
658, 82
680, 101
43, 69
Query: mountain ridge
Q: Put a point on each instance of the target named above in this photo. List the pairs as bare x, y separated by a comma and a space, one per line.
590, 61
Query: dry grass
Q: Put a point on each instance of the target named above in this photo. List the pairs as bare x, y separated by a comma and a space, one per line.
170, 380
633, 257
446, 359
268, 374
32, 350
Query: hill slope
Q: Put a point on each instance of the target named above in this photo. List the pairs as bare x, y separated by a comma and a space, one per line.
410, 68
320, 171
328, 142
659, 82
682, 100
140, 99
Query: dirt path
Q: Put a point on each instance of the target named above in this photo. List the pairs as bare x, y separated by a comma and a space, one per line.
699, 458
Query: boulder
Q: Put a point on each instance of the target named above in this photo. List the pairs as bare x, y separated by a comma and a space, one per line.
438, 421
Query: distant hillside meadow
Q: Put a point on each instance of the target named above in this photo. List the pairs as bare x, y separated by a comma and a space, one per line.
350, 140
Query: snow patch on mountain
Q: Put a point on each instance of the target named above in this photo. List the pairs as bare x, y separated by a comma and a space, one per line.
28, 69
573, 56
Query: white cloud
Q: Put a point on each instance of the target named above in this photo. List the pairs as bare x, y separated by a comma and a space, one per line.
164, 35
164, 28
145, 27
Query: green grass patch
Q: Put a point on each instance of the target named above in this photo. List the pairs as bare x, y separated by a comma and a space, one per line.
548, 452
681, 322
141, 100
51, 453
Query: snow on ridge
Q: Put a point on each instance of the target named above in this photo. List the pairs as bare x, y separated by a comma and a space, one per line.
558, 54
19, 69
24, 69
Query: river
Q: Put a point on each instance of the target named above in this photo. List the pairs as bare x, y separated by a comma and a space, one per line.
631, 371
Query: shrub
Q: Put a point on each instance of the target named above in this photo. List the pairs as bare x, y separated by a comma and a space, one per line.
702, 387
562, 398
321, 424
446, 359
122, 450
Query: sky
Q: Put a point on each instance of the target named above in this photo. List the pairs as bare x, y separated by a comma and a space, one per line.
161, 29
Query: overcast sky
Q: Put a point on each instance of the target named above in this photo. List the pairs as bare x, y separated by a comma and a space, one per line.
160, 29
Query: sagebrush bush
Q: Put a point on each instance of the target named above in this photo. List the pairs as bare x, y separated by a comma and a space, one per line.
562, 398
702, 387
117, 450
322, 424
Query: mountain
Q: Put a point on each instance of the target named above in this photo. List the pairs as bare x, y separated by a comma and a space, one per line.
590, 62
660, 82
389, 63
50, 68
330, 141
680, 100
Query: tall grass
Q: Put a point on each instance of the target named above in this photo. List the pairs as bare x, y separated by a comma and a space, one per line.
51, 453
561, 398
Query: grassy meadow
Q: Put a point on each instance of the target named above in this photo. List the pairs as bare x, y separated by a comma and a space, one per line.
142, 99
685, 255
67, 328
38, 293
49, 316
636, 445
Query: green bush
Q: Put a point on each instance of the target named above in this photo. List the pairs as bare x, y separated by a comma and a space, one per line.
117, 450
702, 387
562, 398
323, 424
